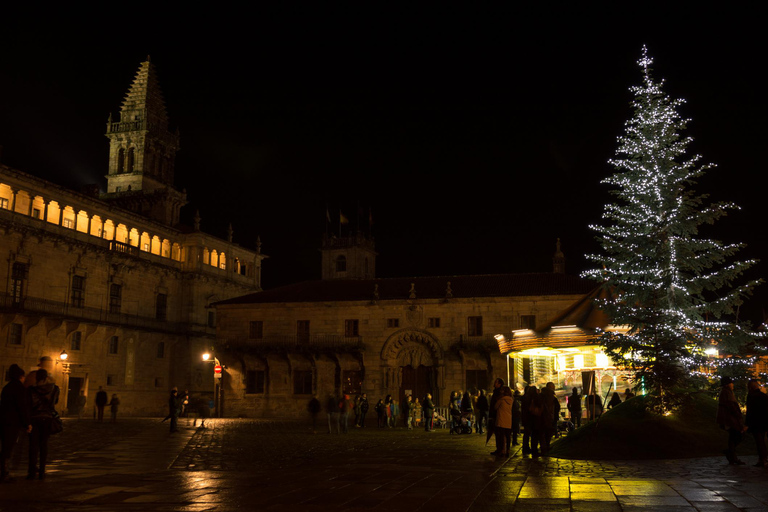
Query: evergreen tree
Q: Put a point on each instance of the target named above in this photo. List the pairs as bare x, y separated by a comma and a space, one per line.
673, 288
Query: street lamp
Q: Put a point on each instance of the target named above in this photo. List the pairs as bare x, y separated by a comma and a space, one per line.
217, 372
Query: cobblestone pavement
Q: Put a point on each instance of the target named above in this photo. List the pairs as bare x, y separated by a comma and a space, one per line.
136, 464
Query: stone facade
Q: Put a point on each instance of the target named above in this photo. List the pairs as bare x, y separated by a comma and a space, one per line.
377, 336
124, 291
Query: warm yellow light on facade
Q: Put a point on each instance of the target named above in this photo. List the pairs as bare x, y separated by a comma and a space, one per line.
601, 360
578, 361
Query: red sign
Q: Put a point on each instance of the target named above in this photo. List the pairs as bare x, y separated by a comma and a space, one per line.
217, 369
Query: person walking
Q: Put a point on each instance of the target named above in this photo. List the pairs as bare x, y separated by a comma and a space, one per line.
482, 412
114, 403
14, 417
574, 407
429, 410
345, 405
101, 402
729, 418
363, 410
332, 411
548, 416
174, 408
80, 404
43, 397
495, 396
503, 425
757, 419
406, 411
314, 409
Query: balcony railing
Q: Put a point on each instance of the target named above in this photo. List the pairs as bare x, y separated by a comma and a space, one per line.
300, 343
66, 310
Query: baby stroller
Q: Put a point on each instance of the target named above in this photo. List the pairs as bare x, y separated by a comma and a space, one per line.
461, 423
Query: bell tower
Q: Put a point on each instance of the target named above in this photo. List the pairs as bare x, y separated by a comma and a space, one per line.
348, 257
142, 152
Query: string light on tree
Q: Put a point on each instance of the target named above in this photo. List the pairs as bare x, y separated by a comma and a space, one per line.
670, 285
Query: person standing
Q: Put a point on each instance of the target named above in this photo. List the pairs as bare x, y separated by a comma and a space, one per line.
46, 363
395, 412
314, 409
101, 402
363, 410
344, 406
495, 396
548, 416
417, 412
516, 416
407, 412
594, 405
332, 411
574, 407
358, 398
757, 419
43, 397
503, 425
174, 408
429, 410
14, 417
729, 418
388, 410
380, 414
113, 405
482, 413
614, 401
628, 394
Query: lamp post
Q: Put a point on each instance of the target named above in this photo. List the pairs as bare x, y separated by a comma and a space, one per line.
217, 373
65, 367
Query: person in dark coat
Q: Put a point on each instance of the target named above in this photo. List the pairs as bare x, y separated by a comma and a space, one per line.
516, 416
429, 409
363, 410
594, 405
381, 415
574, 407
358, 398
174, 408
495, 397
14, 417
314, 409
332, 411
42, 397
345, 404
101, 402
757, 419
548, 416
530, 421
729, 418
114, 405
482, 412
615, 400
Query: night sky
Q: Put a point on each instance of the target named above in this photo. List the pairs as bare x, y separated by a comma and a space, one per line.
476, 136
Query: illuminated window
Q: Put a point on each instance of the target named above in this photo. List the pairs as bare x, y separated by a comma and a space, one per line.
352, 382
68, 223
4, 204
475, 326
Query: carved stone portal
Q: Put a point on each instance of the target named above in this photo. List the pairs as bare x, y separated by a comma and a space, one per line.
410, 347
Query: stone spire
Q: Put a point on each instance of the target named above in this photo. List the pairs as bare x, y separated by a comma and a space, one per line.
558, 261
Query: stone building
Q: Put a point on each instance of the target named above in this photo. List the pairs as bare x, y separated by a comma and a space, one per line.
352, 332
113, 281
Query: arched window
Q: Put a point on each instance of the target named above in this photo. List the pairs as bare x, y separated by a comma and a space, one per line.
120, 160
341, 263
129, 163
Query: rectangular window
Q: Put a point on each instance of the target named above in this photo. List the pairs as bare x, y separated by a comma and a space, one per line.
18, 276
477, 379
475, 326
393, 322
68, 223
113, 345
111, 380
115, 298
4, 204
256, 330
302, 382
36, 213
75, 341
527, 321
161, 306
161, 350
351, 328
302, 331
158, 382
254, 382
14, 337
78, 291
434, 322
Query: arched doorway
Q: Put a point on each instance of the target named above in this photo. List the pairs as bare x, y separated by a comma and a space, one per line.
414, 366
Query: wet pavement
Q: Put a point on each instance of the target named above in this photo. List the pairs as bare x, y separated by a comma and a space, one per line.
240, 464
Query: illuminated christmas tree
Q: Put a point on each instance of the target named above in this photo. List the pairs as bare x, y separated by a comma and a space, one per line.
672, 287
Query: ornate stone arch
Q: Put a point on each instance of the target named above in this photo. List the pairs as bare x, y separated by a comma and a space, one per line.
412, 347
